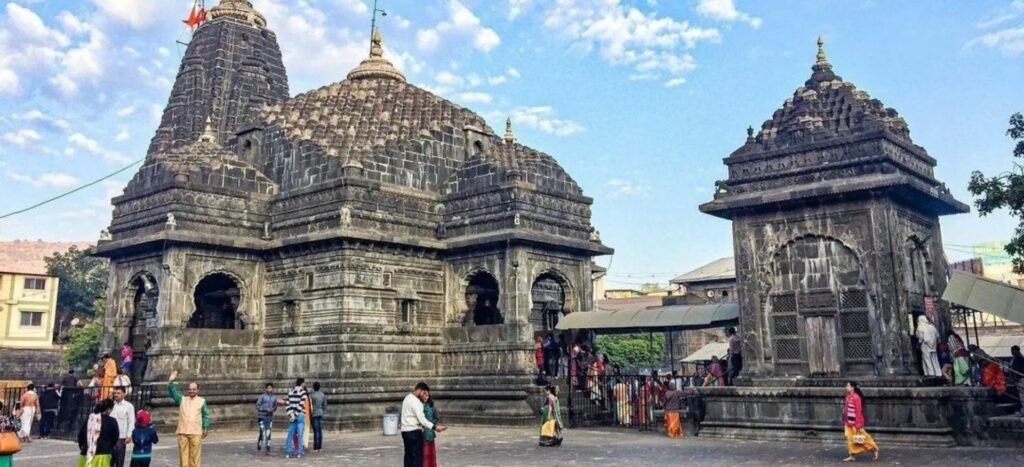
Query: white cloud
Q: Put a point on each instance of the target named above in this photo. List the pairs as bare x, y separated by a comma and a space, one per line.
1007, 14
9, 83
126, 111
71, 23
93, 147
509, 74
475, 98
58, 180
27, 25
122, 136
401, 22
140, 14
675, 82
21, 138
725, 10
543, 118
463, 23
625, 36
36, 116
130, 51
447, 78
164, 52
1010, 41
516, 8
622, 188
84, 213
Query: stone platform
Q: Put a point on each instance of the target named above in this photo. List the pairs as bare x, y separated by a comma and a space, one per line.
896, 416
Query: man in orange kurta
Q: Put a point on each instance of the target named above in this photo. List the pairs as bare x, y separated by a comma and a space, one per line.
109, 373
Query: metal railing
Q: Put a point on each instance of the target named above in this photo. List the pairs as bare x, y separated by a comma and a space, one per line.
75, 406
624, 401
1013, 375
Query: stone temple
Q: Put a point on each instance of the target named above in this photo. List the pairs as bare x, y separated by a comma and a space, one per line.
835, 214
367, 234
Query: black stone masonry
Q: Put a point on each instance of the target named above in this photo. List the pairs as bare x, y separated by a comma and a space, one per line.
367, 234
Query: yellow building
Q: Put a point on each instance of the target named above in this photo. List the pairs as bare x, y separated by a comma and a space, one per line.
28, 307
28, 296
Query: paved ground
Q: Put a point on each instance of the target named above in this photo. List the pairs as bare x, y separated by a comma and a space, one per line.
517, 447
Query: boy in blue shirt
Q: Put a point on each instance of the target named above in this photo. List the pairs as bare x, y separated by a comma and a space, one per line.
143, 439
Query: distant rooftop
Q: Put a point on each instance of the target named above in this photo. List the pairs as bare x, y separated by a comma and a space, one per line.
718, 270
27, 256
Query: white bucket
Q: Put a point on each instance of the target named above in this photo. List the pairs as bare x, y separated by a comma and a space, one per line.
390, 422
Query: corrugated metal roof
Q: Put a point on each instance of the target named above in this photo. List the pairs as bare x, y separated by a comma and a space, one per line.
704, 354
677, 317
720, 269
987, 295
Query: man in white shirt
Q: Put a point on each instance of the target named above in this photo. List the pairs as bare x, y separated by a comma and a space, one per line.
124, 414
413, 422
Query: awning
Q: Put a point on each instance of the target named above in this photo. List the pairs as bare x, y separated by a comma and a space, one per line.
704, 354
661, 318
999, 346
981, 294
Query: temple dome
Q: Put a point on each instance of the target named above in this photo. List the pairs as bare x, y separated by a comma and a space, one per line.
826, 107
387, 128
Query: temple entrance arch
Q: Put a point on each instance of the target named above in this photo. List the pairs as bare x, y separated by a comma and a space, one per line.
217, 298
143, 295
482, 294
550, 296
819, 310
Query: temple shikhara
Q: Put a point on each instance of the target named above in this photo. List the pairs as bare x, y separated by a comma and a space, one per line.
367, 234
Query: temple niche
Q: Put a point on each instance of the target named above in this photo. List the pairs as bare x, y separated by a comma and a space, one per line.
367, 233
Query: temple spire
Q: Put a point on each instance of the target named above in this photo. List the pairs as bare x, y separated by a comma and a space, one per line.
510, 137
238, 9
376, 66
821, 52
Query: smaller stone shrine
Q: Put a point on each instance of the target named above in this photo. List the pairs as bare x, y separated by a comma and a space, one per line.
838, 250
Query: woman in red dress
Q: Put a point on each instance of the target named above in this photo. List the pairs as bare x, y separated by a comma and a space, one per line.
429, 447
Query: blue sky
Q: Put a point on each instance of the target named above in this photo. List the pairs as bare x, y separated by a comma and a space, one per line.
639, 100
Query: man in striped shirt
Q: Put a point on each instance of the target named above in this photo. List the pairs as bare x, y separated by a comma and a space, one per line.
296, 410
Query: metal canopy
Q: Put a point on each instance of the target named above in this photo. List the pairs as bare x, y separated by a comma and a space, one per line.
661, 318
981, 294
704, 354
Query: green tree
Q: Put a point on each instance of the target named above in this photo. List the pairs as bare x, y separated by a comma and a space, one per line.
83, 278
633, 350
84, 343
652, 287
1006, 191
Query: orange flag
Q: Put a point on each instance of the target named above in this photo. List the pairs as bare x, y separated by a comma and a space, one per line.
196, 16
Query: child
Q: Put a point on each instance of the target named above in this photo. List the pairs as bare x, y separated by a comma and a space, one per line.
143, 439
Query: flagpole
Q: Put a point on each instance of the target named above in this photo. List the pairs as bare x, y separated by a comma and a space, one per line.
373, 22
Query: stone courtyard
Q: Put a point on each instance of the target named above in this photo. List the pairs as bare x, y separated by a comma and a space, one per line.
464, 446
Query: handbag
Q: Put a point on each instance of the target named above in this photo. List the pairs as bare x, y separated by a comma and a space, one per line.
548, 429
9, 443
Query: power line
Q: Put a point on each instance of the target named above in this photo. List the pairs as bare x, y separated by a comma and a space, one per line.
71, 192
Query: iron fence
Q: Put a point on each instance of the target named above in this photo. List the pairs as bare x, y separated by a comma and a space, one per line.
75, 406
625, 401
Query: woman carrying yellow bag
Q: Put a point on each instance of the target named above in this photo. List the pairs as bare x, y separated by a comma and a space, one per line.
551, 424
9, 444
857, 440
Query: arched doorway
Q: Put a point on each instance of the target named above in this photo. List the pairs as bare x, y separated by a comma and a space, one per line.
143, 294
548, 297
819, 310
482, 295
217, 298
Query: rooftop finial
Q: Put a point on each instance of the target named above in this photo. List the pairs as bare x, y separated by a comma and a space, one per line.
208, 136
509, 136
821, 51
376, 50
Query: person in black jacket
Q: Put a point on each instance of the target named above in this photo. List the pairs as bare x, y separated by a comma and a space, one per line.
49, 403
98, 436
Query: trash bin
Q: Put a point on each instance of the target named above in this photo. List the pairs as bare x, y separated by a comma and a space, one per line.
390, 422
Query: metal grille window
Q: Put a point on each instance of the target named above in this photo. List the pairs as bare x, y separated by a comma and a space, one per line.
785, 333
855, 326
